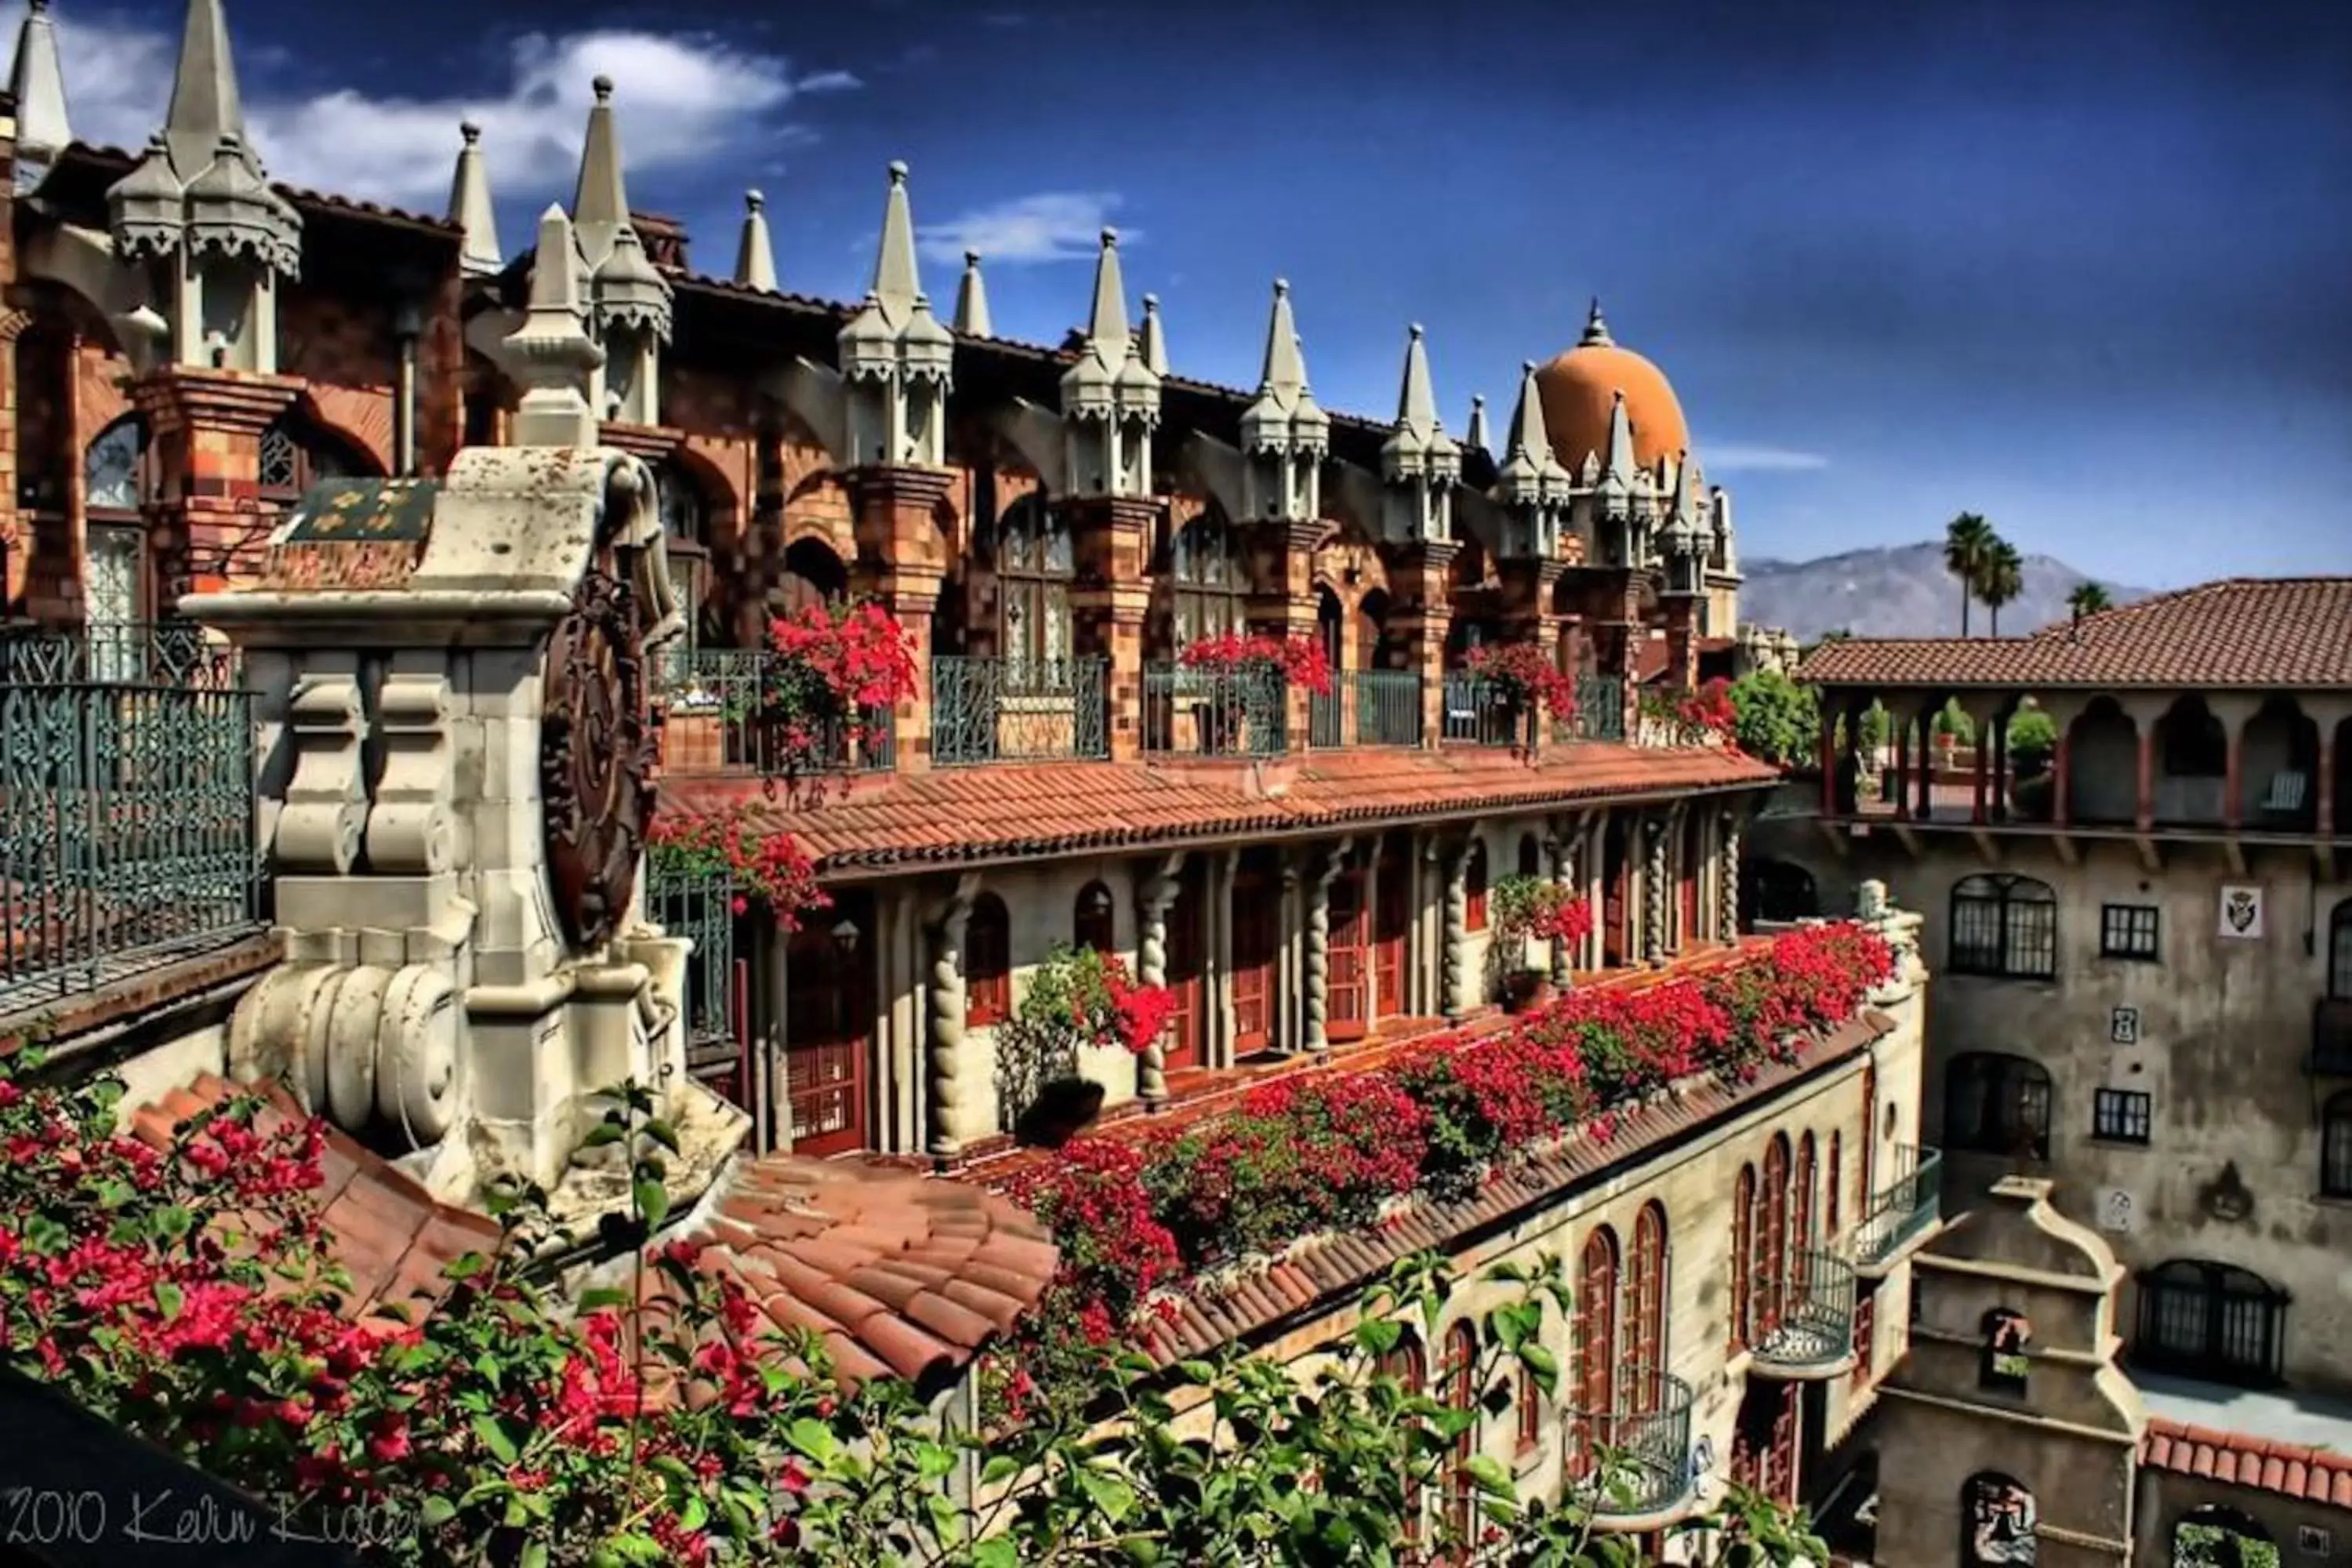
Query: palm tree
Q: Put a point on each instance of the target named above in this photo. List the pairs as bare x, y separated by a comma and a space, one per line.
2002, 580
1968, 545
2088, 599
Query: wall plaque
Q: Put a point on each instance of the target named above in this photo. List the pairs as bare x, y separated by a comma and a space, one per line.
2123, 1026
2119, 1211
2241, 912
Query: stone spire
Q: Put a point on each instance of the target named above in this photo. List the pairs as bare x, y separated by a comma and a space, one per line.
1419, 459
470, 208
1531, 481
1110, 395
600, 200
1619, 474
205, 104
39, 85
554, 357
1596, 329
971, 300
1284, 432
1476, 437
897, 360
1151, 338
755, 258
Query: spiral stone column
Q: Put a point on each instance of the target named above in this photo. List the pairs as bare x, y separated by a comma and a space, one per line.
1653, 891
1727, 894
946, 1001
1159, 893
1562, 851
1455, 951
1317, 969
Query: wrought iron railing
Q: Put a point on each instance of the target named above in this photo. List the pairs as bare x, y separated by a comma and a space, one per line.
698, 902
1225, 712
118, 653
1599, 711
1807, 1313
1366, 708
127, 829
1477, 711
1635, 1456
721, 716
1027, 710
1906, 1206
2331, 1036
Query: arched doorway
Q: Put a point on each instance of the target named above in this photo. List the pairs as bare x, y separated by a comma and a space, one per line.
1776, 890
1693, 856
812, 574
1616, 873
2218, 1537
1346, 991
1256, 913
1325, 721
1391, 923
1188, 953
828, 1026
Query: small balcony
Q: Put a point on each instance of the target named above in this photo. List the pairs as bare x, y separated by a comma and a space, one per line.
1599, 711
1633, 1460
1906, 1207
1018, 710
1366, 708
1477, 713
1805, 1318
1235, 712
2331, 1038
717, 720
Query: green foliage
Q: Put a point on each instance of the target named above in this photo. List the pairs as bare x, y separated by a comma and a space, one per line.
2032, 741
1954, 720
2001, 579
1969, 545
2089, 599
1779, 721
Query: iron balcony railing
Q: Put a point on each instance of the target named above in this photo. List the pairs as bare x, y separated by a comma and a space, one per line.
1012, 709
1366, 708
698, 902
127, 828
1634, 1458
1599, 711
1478, 712
1906, 1206
2331, 1036
1807, 1313
125, 653
721, 715
1225, 712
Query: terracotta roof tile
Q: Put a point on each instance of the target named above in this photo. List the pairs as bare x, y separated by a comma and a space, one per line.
2243, 632
972, 814
2290, 1469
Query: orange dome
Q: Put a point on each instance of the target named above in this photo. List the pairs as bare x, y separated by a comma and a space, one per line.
1579, 388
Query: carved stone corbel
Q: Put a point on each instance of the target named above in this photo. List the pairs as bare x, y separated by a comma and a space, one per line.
409, 830
320, 826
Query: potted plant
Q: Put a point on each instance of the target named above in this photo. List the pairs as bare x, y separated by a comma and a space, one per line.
1231, 659
1077, 997
1533, 909
1701, 718
1522, 679
826, 696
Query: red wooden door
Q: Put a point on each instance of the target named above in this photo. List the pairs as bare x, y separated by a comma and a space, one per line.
1187, 956
1764, 1443
1346, 994
1616, 867
1392, 920
1772, 1239
1257, 934
828, 1018
1869, 1132
1694, 850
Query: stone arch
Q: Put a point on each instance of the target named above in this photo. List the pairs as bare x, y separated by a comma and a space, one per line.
354, 417
2278, 768
2102, 769
2192, 763
1999, 1522
2217, 1536
1772, 890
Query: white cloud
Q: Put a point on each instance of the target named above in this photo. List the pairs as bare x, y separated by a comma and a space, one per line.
680, 97
1734, 459
1052, 226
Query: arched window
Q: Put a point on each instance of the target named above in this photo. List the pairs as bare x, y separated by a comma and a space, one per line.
1461, 1393
296, 455
2218, 1537
1997, 1523
2004, 926
1206, 583
1526, 1403
1034, 570
1092, 925
1832, 1188
686, 533
1772, 1236
1473, 886
1530, 855
812, 574
1743, 1253
2335, 1146
1406, 1366
1996, 1104
2004, 1364
1596, 1349
2339, 952
118, 477
1800, 1194
987, 962
1645, 1311
2212, 1321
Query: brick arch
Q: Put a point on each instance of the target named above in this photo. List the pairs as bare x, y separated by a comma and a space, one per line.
357, 417
722, 496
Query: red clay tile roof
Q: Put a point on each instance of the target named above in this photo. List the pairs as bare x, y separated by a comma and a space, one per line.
390, 1235
2245, 632
964, 814
1334, 1266
899, 1273
2290, 1469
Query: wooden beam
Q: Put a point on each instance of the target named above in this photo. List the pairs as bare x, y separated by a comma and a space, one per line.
2151, 857
2068, 852
1908, 836
2324, 853
1987, 846
2233, 849
1835, 832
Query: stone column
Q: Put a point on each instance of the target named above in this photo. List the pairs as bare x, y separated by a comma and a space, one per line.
1726, 890
1316, 969
1682, 669
1110, 538
1223, 869
2324, 779
1153, 901
901, 562
1653, 889
1282, 600
1455, 951
207, 425
1421, 617
946, 998
1562, 852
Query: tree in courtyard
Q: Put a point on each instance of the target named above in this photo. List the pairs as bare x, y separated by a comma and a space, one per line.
1778, 720
2002, 581
1968, 541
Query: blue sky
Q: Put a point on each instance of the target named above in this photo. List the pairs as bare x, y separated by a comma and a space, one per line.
2084, 268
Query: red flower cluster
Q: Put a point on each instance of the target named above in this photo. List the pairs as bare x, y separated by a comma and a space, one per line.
1527, 675
1321, 1153
770, 867
1705, 715
1301, 659
1138, 1014
862, 655
1533, 907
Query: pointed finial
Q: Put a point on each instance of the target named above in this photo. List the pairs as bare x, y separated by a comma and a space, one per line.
551, 351
1596, 329
971, 300
1475, 435
471, 209
1416, 330
470, 132
600, 201
897, 171
602, 86
896, 280
753, 201
1281, 288
755, 258
1154, 347
205, 104
37, 82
